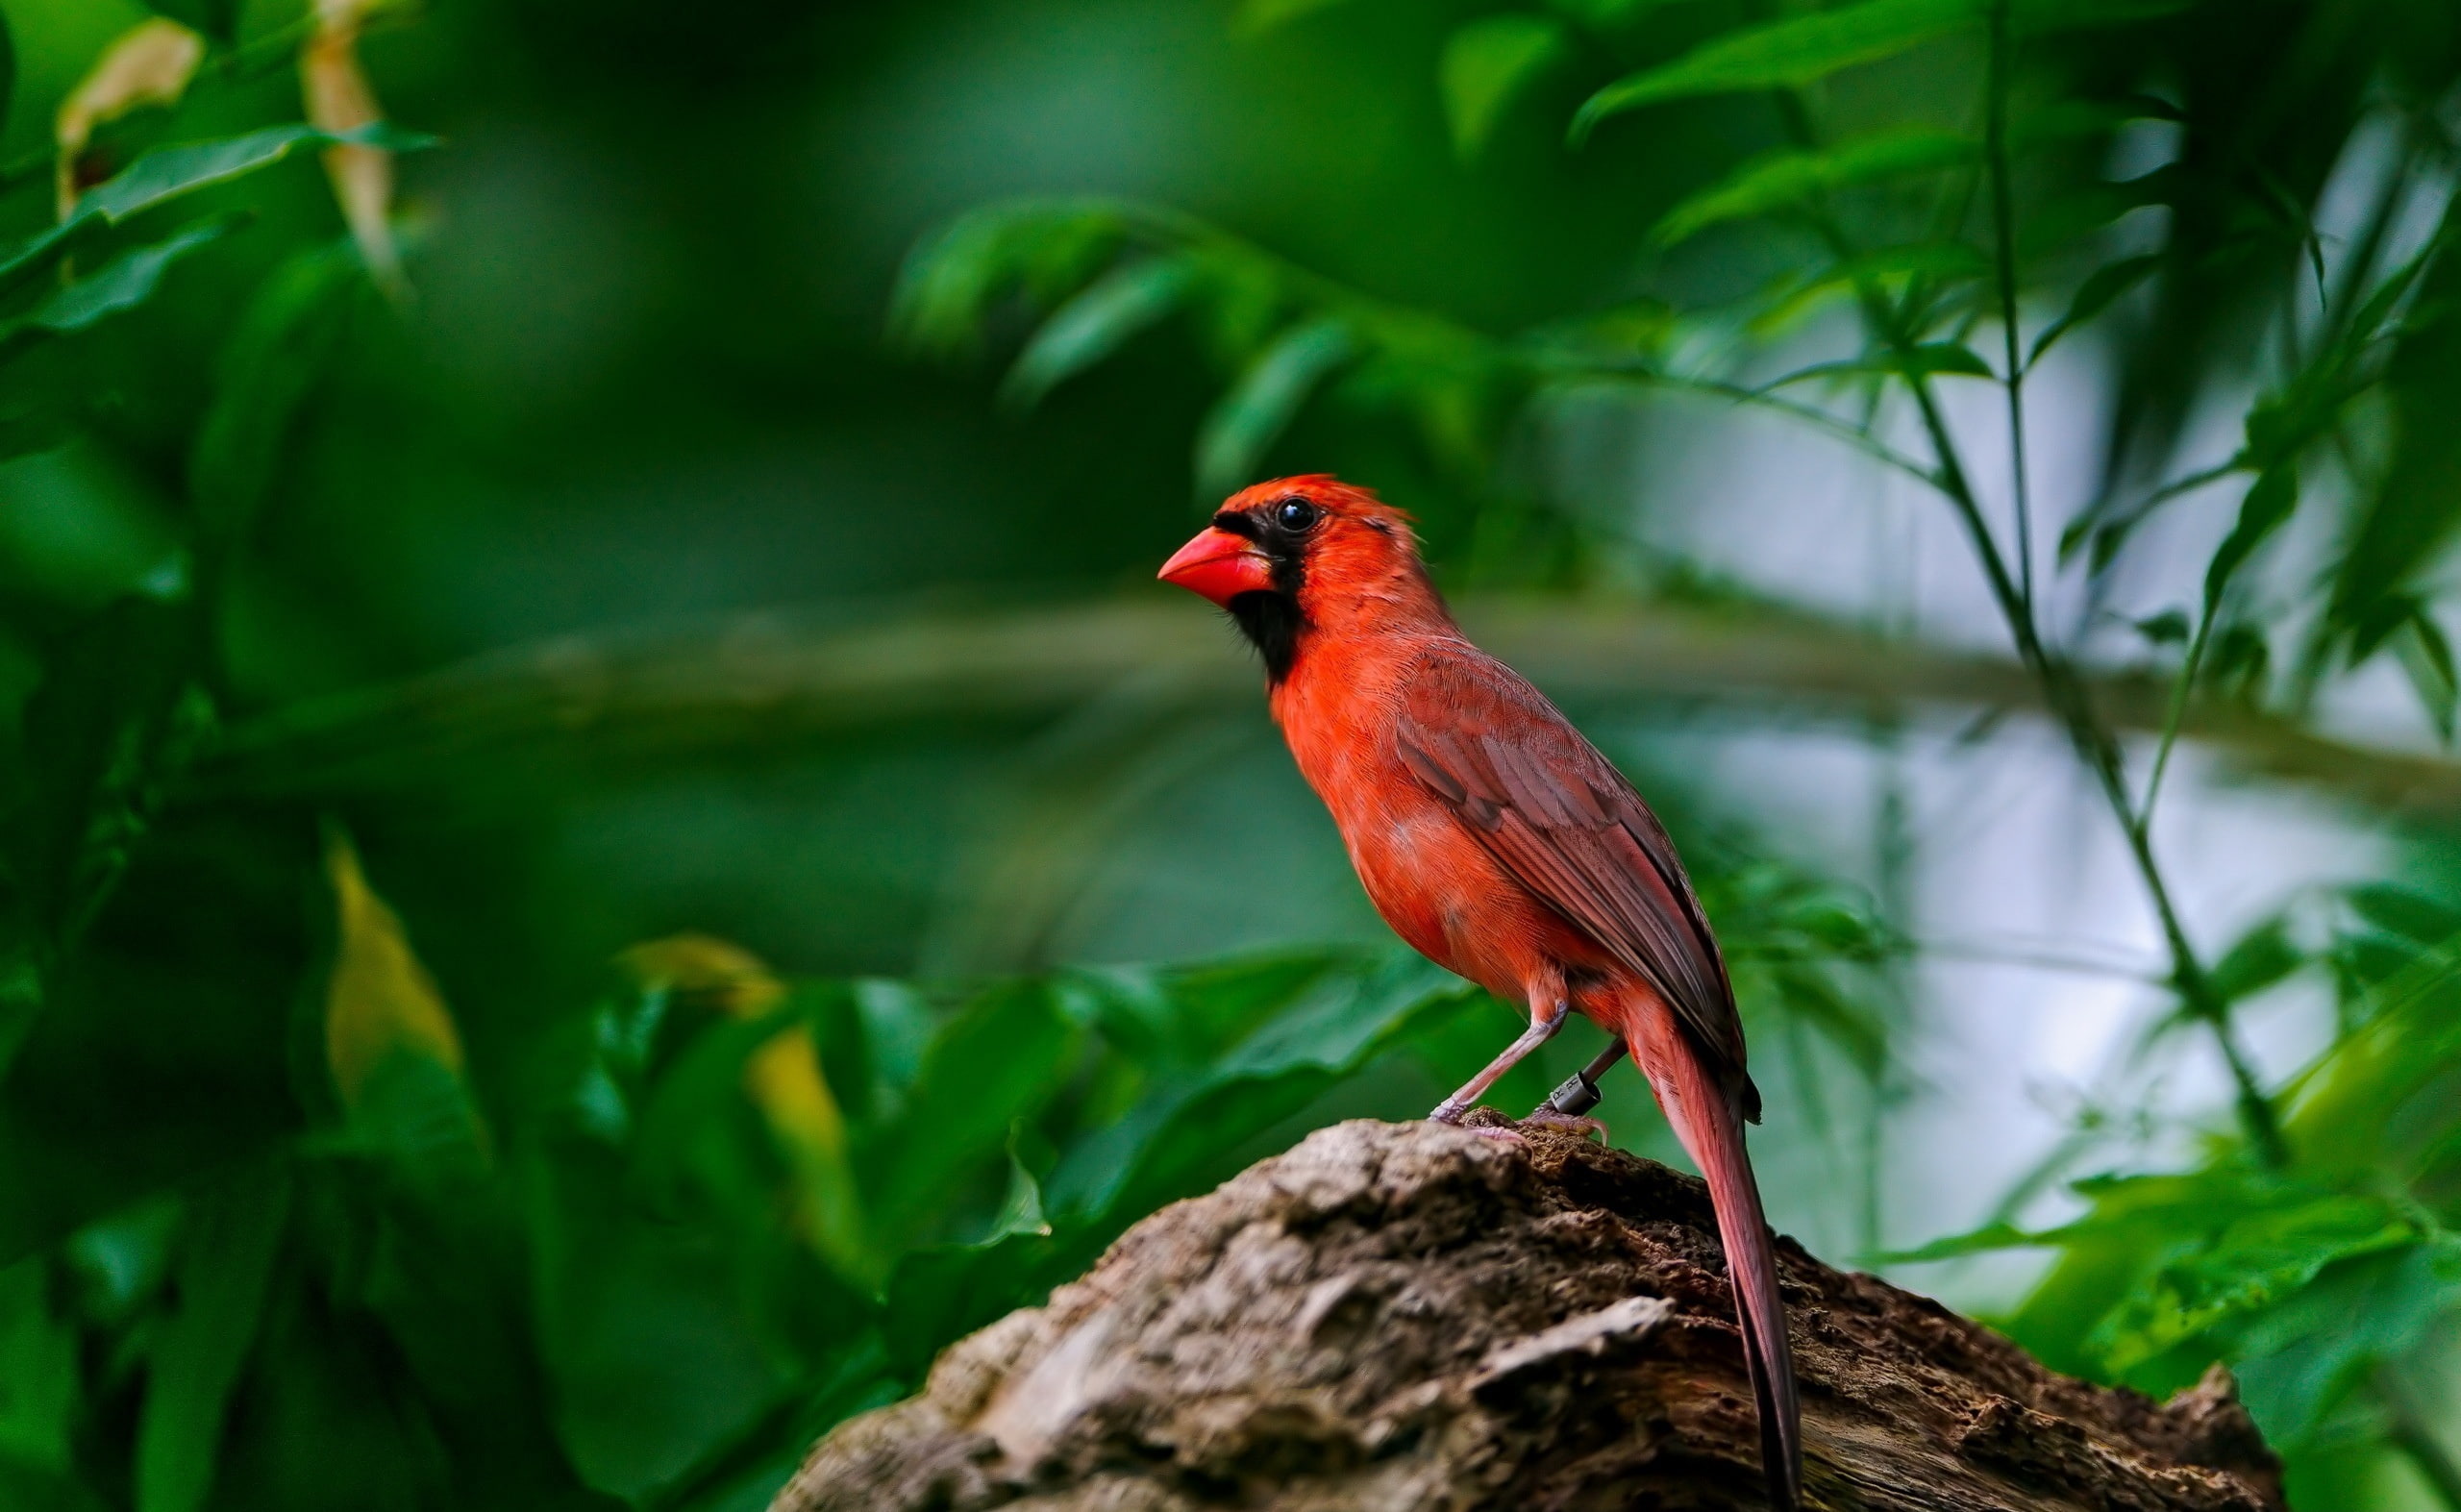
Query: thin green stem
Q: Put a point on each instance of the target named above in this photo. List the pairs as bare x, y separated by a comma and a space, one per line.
2181, 691
1861, 437
2003, 228
2064, 691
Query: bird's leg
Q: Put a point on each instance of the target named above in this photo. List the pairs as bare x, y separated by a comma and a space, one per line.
1579, 1093
1541, 1030
1565, 1107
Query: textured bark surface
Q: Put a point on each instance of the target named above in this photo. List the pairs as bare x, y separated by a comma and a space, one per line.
1402, 1318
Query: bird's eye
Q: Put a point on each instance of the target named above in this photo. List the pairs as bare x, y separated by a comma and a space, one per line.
1296, 514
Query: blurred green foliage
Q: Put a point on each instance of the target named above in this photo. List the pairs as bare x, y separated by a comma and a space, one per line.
415, 1133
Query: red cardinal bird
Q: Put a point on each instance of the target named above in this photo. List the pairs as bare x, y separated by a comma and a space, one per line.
1501, 846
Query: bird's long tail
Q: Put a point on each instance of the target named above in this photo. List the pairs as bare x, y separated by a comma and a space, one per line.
1708, 1119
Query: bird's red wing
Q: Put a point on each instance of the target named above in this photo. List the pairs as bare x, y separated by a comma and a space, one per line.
1568, 827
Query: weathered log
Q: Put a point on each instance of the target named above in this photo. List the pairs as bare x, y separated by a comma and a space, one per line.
1406, 1318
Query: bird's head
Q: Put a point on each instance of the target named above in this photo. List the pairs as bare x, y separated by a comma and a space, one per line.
1299, 554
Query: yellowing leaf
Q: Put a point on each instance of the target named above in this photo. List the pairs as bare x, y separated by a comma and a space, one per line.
150, 65
341, 99
717, 972
381, 1003
783, 1080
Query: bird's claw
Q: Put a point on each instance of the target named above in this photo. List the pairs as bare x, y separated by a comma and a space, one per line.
1545, 1116
1489, 1125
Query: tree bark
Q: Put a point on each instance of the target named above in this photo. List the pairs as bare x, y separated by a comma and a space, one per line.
1415, 1318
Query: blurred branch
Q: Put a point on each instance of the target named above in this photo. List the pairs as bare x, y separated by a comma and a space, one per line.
770, 679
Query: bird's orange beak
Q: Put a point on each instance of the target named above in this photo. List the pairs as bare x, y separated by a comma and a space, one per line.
1220, 566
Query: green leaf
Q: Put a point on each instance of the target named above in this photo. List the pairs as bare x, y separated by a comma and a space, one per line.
166, 173
2101, 290
1607, 15
2170, 627
1946, 262
1046, 248
226, 1263
1252, 416
1256, 16
1095, 325
943, 1292
2400, 912
1789, 179
8, 67
2269, 501
219, 19
272, 363
2256, 1259
2034, 17
1989, 1239
1785, 54
1187, 1131
41, 1385
1930, 359
98, 732
1488, 65
2302, 1358
2262, 957
124, 282
998, 1061
2427, 658
654, 1362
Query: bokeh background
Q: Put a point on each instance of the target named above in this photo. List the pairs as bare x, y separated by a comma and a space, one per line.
609, 842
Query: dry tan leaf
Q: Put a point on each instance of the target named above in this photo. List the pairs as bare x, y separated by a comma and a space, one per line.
380, 1002
150, 63
341, 99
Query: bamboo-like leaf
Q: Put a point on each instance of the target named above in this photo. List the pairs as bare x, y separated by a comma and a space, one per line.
951, 280
2426, 656
2410, 512
1805, 48
1787, 179
1946, 263
1785, 54
2102, 290
2262, 957
1096, 324
2268, 502
148, 65
1487, 63
1252, 415
1930, 359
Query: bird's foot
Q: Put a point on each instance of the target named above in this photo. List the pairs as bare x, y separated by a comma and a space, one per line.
1485, 1122
1545, 1116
